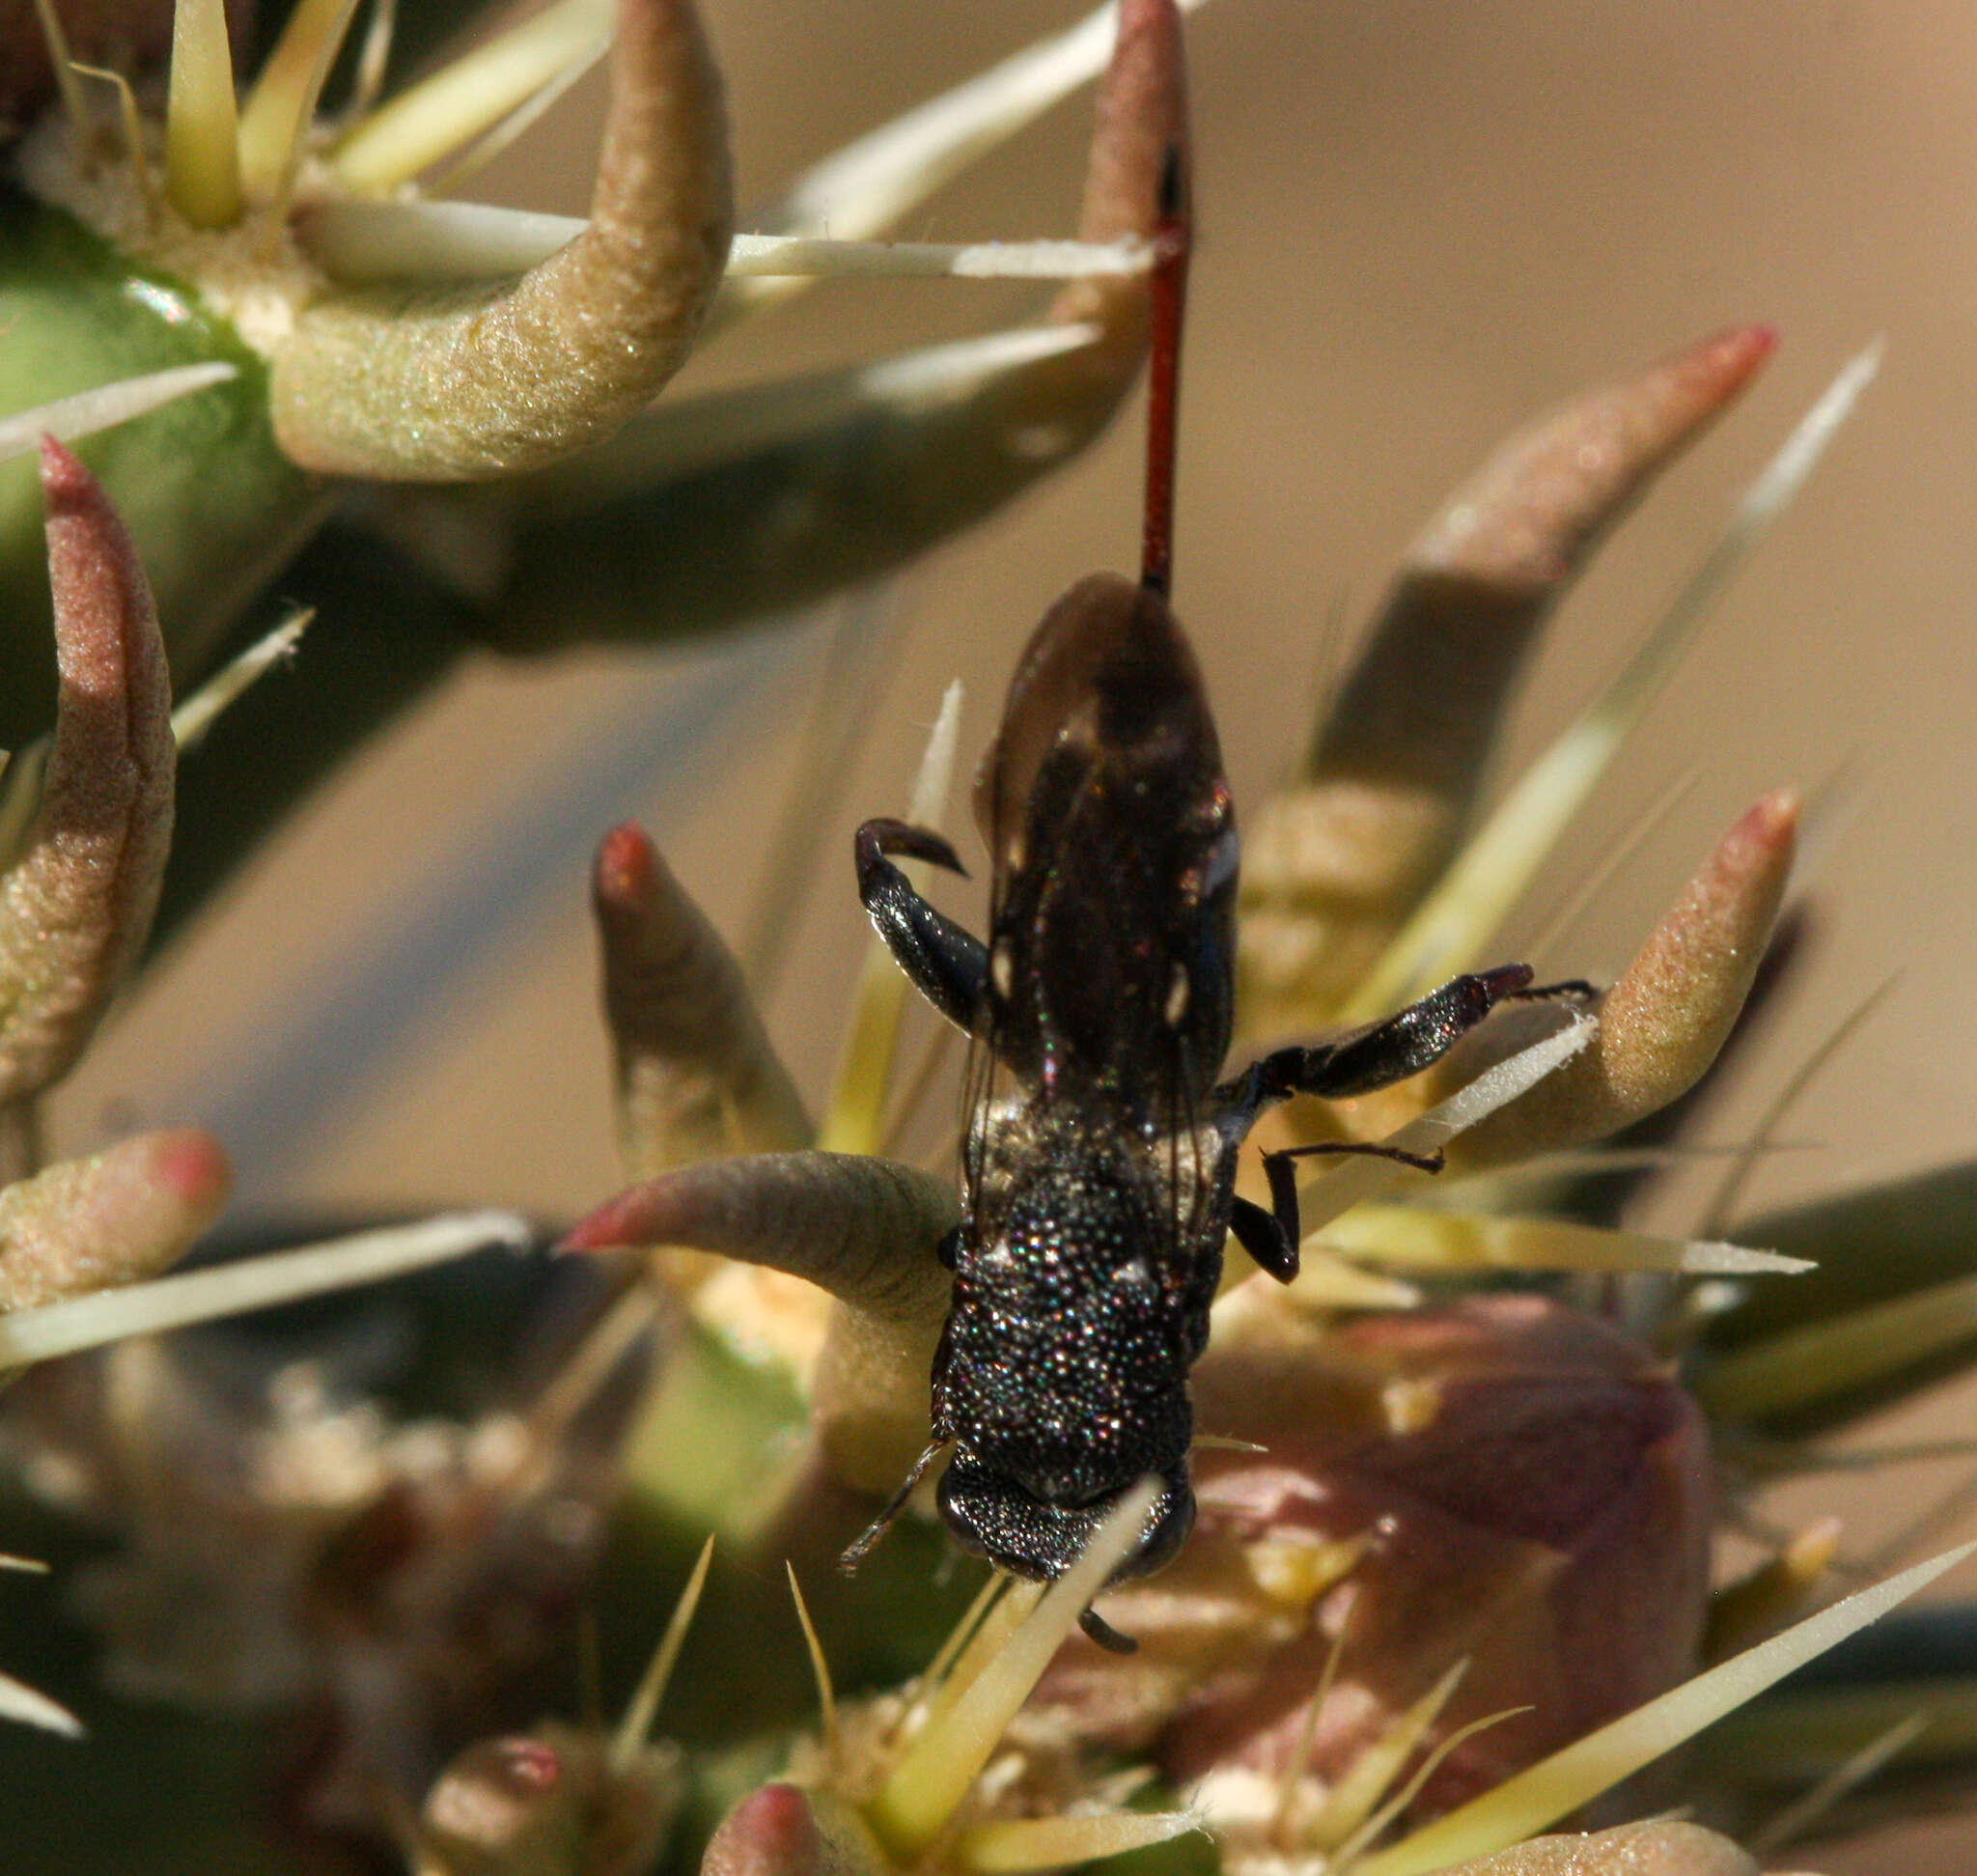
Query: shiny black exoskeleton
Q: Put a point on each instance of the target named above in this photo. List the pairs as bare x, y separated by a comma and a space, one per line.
1100, 1165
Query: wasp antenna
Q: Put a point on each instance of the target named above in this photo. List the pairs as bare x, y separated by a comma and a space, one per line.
1105, 1635
861, 1548
1172, 241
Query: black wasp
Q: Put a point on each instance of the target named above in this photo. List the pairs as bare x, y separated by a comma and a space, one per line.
1098, 1164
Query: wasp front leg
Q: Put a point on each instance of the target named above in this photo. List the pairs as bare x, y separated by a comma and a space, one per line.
947, 963
1403, 1043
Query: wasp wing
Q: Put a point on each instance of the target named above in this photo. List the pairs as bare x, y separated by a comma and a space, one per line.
1090, 1237
1104, 807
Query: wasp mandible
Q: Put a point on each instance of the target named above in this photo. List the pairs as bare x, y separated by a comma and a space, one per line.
1098, 1159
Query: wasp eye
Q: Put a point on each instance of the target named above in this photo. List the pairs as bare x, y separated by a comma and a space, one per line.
1168, 1524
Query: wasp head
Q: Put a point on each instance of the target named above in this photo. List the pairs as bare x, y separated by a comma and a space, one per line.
994, 1516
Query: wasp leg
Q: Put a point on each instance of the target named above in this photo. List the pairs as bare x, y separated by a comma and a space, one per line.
1263, 1235
947, 963
1280, 1169
1105, 1635
1569, 990
1402, 1043
861, 1547
1388, 1051
1271, 1236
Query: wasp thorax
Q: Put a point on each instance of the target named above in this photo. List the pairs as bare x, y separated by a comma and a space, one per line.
1080, 1297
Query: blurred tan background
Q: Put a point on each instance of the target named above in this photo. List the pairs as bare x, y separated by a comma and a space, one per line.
1423, 221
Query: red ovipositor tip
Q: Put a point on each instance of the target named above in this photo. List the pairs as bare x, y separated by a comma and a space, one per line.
625, 867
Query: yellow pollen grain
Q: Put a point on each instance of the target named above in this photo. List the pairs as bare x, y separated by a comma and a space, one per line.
1295, 1571
1410, 1406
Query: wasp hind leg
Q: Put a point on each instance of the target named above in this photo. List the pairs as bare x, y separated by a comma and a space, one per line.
947, 963
1266, 1236
1388, 1051
1407, 1042
1270, 1236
